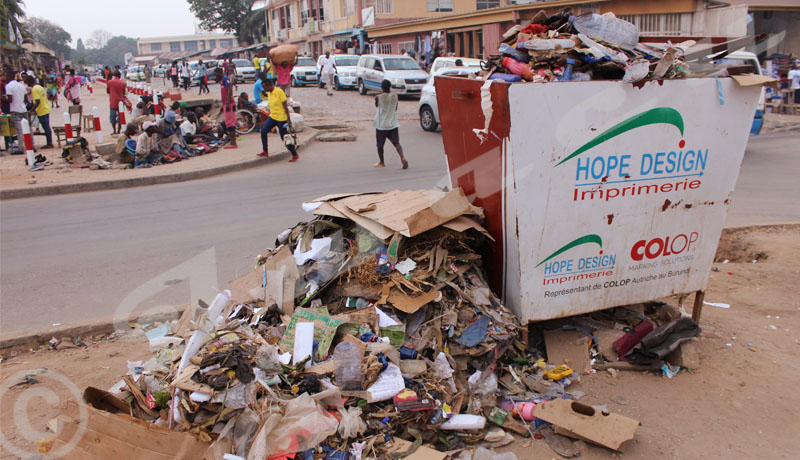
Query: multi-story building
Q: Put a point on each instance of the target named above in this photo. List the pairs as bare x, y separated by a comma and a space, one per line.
199, 42
313, 25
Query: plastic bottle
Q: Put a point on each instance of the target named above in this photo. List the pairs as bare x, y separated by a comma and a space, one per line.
505, 48
607, 28
521, 408
567, 76
347, 359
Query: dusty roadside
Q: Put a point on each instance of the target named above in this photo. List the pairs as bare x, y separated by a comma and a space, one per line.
738, 404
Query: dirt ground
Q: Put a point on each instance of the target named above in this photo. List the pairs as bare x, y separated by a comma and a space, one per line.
740, 404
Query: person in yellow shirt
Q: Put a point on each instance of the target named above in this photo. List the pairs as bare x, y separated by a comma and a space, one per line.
42, 108
257, 63
278, 117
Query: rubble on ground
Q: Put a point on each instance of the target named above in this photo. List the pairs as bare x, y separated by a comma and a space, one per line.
370, 332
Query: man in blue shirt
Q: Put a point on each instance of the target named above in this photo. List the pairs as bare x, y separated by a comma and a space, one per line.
258, 88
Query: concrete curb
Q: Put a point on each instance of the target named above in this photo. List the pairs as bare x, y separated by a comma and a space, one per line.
151, 180
36, 337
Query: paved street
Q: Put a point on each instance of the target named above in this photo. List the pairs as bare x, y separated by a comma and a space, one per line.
76, 257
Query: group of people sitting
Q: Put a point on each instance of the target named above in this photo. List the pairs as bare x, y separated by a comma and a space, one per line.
177, 135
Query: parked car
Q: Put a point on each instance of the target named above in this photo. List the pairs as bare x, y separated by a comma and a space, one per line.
244, 70
402, 71
304, 72
428, 107
346, 68
135, 73
450, 61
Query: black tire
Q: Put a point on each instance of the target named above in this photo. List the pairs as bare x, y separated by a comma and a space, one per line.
426, 119
362, 90
336, 86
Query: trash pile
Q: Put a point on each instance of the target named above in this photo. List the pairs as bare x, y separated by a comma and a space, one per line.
563, 47
371, 332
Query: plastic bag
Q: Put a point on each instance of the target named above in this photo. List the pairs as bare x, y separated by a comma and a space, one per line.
351, 424
303, 426
484, 386
244, 430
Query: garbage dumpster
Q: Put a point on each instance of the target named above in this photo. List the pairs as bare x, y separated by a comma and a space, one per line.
598, 193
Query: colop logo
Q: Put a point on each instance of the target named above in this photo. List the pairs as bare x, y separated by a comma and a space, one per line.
663, 247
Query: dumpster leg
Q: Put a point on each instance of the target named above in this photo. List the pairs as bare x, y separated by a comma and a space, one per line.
698, 305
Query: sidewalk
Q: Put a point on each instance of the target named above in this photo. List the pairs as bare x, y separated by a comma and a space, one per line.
17, 182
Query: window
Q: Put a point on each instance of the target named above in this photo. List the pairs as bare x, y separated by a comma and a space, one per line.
190, 46
349, 7
174, 46
284, 13
212, 44
484, 4
385, 48
440, 5
155, 47
655, 24
405, 46
381, 6
404, 63
226, 43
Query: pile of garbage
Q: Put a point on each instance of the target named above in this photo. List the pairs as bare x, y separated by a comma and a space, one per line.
563, 47
371, 332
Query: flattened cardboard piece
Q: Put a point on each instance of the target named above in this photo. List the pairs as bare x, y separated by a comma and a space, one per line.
184, 381
383, 233
250, 287
365, 315
327, 367
567, 347
275, 288
88, 433
408, 304
585, 422
605, 342
105, 401
463, 223
410, 212
422, 452
183, 328
327, 209
755, 80
412, 368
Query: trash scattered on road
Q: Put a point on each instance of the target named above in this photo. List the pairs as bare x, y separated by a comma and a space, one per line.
371, 332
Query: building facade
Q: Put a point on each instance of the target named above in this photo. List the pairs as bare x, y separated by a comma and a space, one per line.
182, 43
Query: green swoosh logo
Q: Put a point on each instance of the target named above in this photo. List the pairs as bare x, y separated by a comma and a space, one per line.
586, 239
650, 117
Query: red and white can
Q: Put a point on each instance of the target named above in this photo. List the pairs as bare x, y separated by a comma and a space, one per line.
122, 121
28, 141
96, 115
67, 126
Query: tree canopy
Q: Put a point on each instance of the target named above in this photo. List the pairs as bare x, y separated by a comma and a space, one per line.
50, 35
227, 15
111, 54
11, 10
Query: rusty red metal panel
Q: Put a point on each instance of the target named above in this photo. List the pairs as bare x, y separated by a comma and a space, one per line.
477, 166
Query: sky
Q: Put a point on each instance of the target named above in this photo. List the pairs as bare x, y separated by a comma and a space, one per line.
132, 18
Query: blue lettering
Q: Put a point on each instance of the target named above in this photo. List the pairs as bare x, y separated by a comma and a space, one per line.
598, 161
581, 167
701, 159
658, 163
647, 160
613, 162
557, 266
623, 165
688, 161
671, 164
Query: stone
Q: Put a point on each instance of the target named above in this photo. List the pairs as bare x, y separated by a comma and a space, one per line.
687, 355
337, 137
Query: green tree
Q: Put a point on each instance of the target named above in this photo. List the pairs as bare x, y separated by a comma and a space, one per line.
11, 10
227, 15
253, 30
79, 47
50, 35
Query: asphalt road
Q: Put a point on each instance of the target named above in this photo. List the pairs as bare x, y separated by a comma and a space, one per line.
86, 256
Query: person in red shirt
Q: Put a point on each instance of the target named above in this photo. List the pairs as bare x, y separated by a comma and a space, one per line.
116, 94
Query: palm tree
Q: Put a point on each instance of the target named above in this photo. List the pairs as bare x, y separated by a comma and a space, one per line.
253, 30
13, 10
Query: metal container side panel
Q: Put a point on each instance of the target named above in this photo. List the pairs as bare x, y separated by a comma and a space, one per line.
621, 193
477, 166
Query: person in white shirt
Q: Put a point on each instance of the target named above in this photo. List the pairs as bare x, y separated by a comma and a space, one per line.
147, 148
189, 128
186, 75
794, 77
329, 71
16, 93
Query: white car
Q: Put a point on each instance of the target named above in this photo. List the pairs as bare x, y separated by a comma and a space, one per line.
450, 61
428, 107
244, 70
304, 72
346, 67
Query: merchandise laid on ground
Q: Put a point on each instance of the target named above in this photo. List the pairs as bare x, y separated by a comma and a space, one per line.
370, 332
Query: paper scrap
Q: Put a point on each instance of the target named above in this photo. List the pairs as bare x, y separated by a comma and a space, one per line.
319, 248
385, 320
389, 383
717, 304
411, 304
324, 329
405, 267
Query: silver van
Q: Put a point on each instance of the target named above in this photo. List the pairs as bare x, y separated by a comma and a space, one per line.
402, 71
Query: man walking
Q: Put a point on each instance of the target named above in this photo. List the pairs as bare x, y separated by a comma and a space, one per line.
283, 71
278, 117
186, 75
328, 71
42, 109
116, 94
202, 74
386, 124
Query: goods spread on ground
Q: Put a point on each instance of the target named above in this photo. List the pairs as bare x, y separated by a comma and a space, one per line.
369, 332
